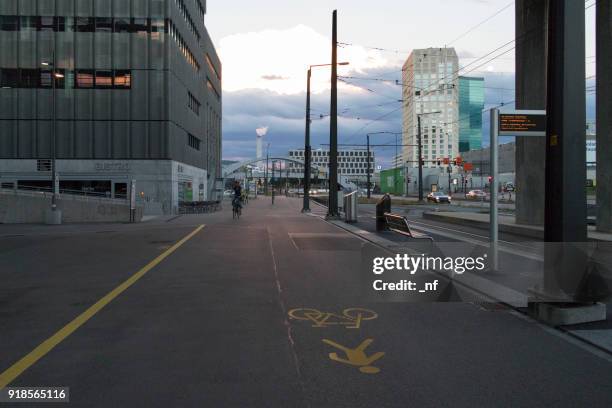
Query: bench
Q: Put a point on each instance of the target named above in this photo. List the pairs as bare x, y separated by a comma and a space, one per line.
399, 224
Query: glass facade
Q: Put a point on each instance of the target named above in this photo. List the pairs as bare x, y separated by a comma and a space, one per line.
471, 104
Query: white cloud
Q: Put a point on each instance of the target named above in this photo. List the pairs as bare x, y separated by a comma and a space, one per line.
277, 60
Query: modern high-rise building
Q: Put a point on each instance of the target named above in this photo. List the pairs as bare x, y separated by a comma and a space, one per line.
137, 97
471, 104
430, 84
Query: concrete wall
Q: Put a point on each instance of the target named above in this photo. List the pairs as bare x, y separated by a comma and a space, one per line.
157, 181
531, 54
30, 208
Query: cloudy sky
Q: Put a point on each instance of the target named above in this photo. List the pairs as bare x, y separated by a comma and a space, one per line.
266, 46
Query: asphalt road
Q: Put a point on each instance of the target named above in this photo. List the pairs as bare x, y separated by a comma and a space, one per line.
249, 313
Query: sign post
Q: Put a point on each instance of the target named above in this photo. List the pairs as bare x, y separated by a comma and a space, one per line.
512, 123
494, 231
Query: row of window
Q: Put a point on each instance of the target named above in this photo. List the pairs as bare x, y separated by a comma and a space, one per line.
343, 159
212, 89
193, 141
176, 36
80, 78
212, 68
185, 13
201, 9
193, 103
358, 153
83, 24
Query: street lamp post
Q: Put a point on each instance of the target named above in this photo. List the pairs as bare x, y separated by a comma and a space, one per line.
266, 169
307, 147
54, 179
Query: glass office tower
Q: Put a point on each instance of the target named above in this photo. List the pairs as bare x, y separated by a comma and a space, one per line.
471, 104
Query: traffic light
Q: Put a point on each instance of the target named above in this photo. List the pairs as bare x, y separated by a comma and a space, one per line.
490, 179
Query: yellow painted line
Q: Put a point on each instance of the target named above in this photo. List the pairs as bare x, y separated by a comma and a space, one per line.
39, 352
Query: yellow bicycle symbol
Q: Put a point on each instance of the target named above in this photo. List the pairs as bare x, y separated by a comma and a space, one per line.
350, 318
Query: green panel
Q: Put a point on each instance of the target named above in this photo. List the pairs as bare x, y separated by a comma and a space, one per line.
392, 181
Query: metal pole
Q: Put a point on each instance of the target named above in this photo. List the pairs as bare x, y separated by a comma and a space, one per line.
494, 182
369, 177
266, 170
332, 211
54, 141
420, 149
272, 181
306, 205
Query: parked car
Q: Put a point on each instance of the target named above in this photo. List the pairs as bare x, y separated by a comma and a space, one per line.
476, 195
438, 197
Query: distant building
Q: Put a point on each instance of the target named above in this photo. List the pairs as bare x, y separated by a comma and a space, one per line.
430, 84
471, 104
351, 163
138, 97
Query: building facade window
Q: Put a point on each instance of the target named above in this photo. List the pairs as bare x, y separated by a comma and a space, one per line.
193, 141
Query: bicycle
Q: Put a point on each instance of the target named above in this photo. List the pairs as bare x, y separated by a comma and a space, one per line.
236, 208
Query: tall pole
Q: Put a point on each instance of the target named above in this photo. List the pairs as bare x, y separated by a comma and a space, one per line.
266, 170
420, 149
494, 237
273, 181
306, 205
332, 211
369, 168
54, 137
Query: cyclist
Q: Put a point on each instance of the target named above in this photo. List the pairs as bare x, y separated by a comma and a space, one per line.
237, 201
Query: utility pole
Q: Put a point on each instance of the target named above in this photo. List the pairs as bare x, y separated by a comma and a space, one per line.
332, 211
266, 170
306, 205
273, 181
369, 167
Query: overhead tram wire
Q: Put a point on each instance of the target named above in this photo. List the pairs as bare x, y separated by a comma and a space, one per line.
481, 23
456, 74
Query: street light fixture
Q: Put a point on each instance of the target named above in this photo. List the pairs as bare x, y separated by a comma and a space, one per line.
420, 142
307, 148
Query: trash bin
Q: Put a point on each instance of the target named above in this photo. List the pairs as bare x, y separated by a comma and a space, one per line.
350, 207
383, 206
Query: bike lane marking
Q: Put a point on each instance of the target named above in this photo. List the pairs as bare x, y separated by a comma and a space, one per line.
45, 347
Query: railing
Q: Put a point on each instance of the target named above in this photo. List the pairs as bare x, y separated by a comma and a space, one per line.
74, 195
199, 207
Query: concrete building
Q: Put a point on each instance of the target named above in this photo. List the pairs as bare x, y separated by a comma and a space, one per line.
430, 84
351, 163
471, 104
138, 97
